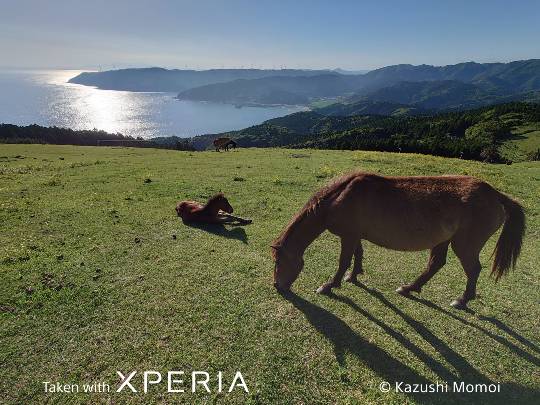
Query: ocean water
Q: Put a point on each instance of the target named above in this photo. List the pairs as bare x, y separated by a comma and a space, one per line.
45, 98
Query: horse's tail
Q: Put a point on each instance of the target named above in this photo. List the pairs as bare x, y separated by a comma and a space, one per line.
509, 244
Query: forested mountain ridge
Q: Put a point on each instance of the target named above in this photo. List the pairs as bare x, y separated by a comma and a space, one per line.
419, 97
365, 106
474, 134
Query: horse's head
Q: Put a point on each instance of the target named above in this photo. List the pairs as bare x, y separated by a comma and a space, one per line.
179, 207
221, 203
287, 267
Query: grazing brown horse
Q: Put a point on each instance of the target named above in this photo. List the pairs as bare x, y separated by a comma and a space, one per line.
216, 211
229, 144
224, 143
406, 214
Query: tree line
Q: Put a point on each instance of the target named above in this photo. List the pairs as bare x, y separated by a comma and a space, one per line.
10, 133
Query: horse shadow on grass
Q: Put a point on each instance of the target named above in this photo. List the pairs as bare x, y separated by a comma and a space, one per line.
510, 392
345, 340
232, 231
498, 324
502, 326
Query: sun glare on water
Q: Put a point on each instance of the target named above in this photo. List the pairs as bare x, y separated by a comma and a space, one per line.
88, 107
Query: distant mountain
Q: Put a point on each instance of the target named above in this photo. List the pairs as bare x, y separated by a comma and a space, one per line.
276, 89
460, 86
518, 76
412, 98
439, 95
454, 87
175, 80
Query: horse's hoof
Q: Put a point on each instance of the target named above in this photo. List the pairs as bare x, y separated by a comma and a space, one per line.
458, 304
351, 279
404, 291
324, 289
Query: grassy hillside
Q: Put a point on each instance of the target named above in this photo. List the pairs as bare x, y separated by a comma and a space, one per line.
99, 275
523, 142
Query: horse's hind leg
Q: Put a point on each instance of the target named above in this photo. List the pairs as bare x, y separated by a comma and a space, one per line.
472, 269
232, 218
468, 256
437, 259
467, 244
348, 246
357, 267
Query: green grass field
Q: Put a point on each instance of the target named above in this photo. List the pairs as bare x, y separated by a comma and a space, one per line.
94, 281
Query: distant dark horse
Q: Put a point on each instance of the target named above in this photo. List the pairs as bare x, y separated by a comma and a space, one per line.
230, 143
407, 214
224, 143
216, 211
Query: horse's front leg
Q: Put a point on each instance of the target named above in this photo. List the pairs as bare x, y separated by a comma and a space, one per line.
357, 267
348, 246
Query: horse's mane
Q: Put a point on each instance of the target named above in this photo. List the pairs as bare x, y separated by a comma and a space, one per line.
324, 194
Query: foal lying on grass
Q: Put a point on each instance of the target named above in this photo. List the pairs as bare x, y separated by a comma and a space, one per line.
406, 214
216, 211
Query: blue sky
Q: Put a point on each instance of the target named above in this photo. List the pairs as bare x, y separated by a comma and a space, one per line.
259, 33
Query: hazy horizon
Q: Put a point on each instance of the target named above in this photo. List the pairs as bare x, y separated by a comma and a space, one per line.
117, 67
201, 35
